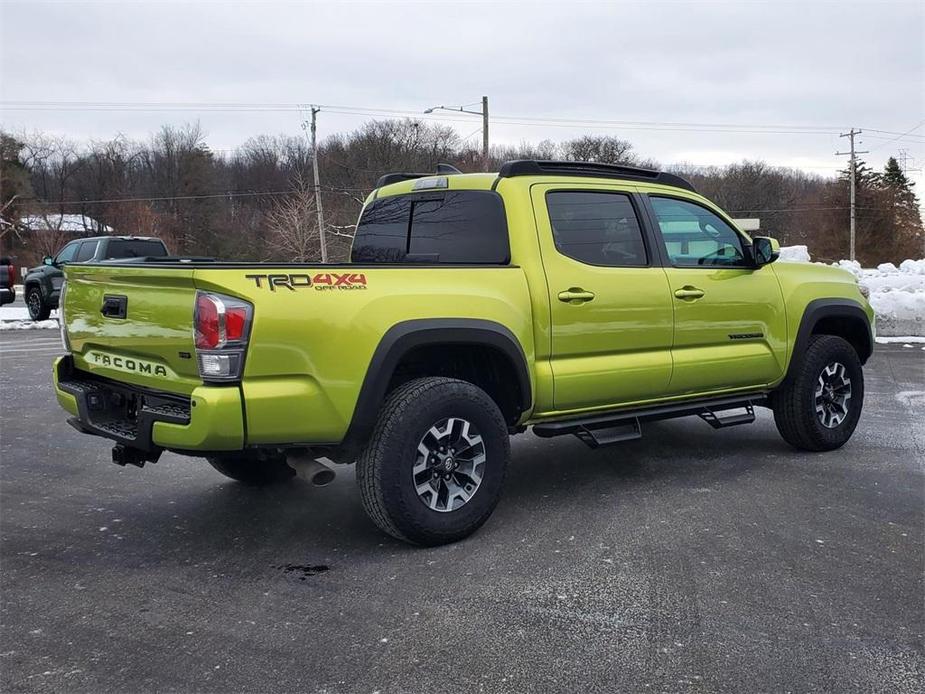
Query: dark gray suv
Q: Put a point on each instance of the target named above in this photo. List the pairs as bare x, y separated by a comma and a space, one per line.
43, 283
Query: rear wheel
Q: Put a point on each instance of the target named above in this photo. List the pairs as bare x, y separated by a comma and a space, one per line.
255, 469
35, 302
818, 408
433, 469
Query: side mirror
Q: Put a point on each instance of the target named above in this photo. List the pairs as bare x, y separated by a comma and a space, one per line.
48, 260
765, 250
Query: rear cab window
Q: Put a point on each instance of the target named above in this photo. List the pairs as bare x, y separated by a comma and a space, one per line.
462, 227
135, 248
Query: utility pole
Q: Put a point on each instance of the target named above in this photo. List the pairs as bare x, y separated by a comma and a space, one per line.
318, 207
852, 170
485, 133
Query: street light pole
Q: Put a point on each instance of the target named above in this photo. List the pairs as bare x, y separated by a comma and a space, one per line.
484, 114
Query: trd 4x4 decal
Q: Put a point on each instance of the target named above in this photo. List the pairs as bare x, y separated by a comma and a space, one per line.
321, 281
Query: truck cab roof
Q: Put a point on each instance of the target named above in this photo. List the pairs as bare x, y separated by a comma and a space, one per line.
400, 183
121, 237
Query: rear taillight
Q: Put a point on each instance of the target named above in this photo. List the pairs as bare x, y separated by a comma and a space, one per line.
221, 330
10, 275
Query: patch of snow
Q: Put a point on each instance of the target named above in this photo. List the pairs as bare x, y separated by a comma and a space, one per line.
852, 266
28, 325
794, 254
902, 339
17, 318
68, 223
916, 267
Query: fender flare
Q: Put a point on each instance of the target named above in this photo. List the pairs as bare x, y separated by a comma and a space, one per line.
817, 310
37, 279
407, 335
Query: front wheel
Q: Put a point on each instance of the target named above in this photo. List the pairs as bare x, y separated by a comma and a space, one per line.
818, 408
35, 302
433, 469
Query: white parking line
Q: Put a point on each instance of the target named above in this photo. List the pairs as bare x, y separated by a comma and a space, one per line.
37, 350
30, 343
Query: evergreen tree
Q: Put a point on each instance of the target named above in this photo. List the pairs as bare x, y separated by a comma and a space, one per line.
865, 176
15, 187
907, 217
894, 177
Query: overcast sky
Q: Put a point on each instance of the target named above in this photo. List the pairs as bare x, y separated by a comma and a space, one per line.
824, 65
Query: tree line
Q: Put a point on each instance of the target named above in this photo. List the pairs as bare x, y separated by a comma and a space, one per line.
256, 201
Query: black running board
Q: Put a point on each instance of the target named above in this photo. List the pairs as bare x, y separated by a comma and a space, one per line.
625, 425
717, 422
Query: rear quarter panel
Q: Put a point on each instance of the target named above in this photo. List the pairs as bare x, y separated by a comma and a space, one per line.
310, 346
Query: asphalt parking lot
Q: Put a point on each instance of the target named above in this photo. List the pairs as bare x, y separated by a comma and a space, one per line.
692, 560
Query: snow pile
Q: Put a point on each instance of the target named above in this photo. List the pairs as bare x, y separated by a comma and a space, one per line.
896, 293
66, 223
17, 318
794, 254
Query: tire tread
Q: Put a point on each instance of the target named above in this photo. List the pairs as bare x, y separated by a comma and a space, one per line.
796, 425
396, 412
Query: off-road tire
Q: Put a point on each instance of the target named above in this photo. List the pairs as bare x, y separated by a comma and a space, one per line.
384, 468
794, 403
35, 302
253, 469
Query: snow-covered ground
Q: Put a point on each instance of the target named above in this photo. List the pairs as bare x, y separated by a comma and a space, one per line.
896, 293
17, 318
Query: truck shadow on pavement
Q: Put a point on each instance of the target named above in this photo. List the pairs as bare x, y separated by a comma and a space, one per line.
296, 525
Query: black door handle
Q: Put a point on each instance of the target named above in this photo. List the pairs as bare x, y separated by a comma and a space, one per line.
114, 306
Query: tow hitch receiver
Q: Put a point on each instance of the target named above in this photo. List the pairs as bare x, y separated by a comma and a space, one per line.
125, 455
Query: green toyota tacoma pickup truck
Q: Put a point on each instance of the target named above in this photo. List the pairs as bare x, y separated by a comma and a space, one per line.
572, 298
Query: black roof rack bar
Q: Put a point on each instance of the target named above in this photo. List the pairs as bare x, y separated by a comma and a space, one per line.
398, 177
533, 167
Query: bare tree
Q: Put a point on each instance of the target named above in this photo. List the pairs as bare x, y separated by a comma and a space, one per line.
292, 225
604, 149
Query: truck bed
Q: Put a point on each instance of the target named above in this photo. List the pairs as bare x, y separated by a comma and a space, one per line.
315, 329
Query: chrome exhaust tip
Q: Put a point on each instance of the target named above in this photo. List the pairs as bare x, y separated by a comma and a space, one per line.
310, 470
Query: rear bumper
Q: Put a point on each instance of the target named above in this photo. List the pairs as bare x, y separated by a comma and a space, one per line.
209, 419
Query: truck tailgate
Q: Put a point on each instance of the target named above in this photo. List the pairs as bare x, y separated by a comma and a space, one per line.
133, 324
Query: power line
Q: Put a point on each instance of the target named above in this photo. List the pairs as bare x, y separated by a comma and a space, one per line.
155, 106
900, 136
204, 196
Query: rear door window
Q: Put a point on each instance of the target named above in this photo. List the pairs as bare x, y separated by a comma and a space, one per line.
134, 248
596, 228
453, 227
86, 252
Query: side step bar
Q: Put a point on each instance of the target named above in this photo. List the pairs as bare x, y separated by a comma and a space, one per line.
625, 425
